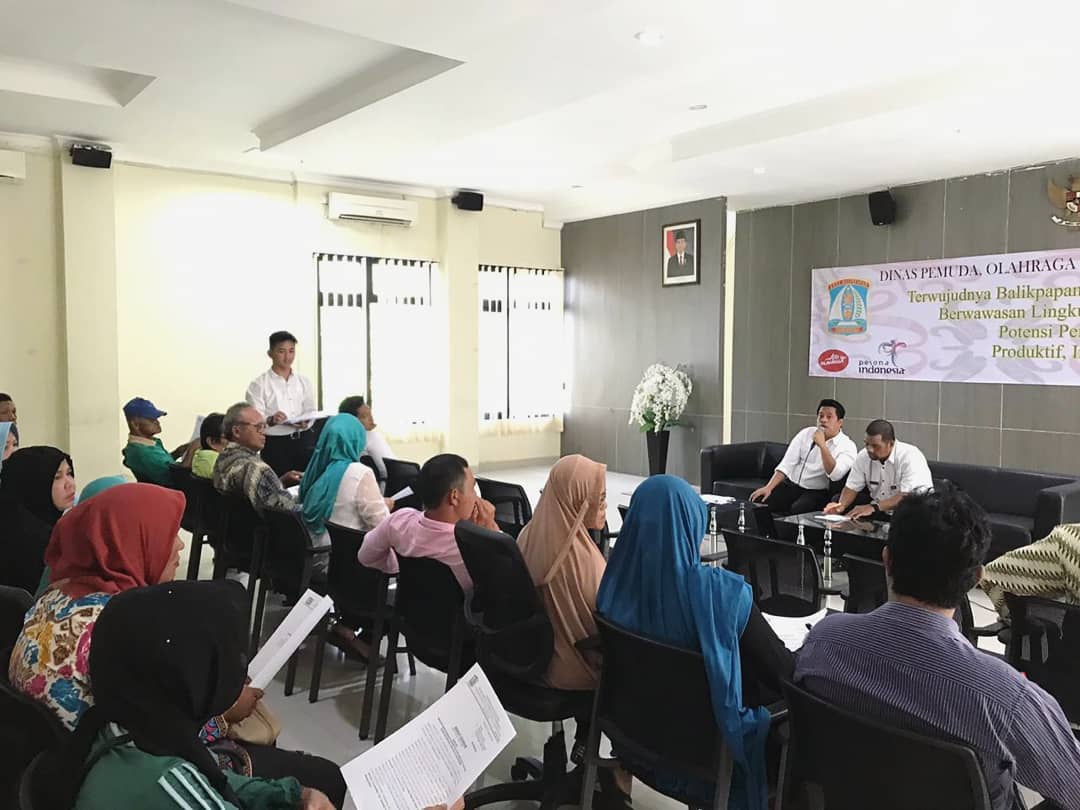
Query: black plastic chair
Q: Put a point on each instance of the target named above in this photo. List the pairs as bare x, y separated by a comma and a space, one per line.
1044, 644
785, 577
867, 587
239, 541
289, 566
428, 612
369, 462
14, 602
401, 474
362, 598
512, 507
860, 763
206, 501
31, 788
514, 645
655, 728
27, 728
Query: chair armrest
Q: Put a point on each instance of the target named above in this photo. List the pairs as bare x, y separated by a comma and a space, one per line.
742, 460
1054, 506
778, 711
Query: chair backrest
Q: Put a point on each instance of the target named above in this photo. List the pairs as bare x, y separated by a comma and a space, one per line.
14, 602
1044, 643
429, 606
401, 474
239, 524
857, 760
506, 614
354, 588
655, 725
512, 507
867, 587
26, 729
785, 577
182, 480
209, 504
369, 462
288, 547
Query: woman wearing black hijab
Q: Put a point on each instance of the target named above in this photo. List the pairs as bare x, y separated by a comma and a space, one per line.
37, 485
165, 658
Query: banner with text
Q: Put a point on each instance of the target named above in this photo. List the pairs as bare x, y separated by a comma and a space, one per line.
1013, 319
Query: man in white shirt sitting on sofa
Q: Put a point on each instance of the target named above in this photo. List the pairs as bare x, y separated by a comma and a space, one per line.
818, 455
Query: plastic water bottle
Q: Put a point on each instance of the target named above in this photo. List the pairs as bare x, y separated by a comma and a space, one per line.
800, 539
827, 563
742, 516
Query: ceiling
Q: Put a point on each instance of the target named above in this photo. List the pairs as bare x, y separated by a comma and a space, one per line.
554, 104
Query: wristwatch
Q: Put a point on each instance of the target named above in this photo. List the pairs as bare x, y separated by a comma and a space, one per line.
875, 505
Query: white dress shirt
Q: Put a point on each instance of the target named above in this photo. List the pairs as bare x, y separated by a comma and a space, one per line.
803, 465
378, 448
904, 471
270, 393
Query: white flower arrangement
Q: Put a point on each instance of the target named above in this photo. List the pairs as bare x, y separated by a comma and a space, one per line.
660, 398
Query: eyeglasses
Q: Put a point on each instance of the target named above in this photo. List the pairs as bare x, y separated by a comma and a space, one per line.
259, 426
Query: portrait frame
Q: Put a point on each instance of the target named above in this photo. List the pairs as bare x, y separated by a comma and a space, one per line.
672, 274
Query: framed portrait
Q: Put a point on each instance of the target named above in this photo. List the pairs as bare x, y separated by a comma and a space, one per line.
681, 259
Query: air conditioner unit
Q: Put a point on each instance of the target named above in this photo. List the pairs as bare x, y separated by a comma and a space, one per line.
371, 209
12, 165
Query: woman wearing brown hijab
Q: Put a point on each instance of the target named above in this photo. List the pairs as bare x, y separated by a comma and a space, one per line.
566, 565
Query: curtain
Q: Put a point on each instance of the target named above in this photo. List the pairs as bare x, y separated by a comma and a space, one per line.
343, 336
523, 360
405, 336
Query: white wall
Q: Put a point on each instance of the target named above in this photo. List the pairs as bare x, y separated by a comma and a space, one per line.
33, 362
209, 265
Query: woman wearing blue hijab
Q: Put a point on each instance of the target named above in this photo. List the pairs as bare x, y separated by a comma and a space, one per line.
336, 487
655, 585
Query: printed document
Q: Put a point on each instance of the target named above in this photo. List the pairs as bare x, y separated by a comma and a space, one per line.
793, 630
437, 756
277, 650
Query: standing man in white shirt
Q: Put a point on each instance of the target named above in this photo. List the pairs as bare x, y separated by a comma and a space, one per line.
281, 395
889, 469
816, 456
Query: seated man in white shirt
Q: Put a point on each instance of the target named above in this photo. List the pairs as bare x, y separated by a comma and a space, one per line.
889, 469
377, 447
281, 395
816, 456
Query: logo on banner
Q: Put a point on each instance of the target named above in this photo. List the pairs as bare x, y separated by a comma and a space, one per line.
890, 348
1067, 200
848, 306
832, 360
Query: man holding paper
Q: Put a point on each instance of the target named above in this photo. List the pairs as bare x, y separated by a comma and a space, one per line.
284, 397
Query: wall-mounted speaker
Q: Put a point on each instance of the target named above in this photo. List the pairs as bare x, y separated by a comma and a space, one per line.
87, 154
469, 200
882, 208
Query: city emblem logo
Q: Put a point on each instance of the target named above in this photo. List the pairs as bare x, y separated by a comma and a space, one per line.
848, 306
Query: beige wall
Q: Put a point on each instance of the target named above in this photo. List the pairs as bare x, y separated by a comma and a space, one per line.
33, 365
208, 265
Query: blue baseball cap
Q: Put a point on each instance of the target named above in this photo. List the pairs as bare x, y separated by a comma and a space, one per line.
143, 408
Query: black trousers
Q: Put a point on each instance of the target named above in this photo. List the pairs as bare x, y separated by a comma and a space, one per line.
791, 499
310, 771
286, 453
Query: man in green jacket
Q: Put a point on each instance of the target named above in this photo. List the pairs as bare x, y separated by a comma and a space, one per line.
144, 454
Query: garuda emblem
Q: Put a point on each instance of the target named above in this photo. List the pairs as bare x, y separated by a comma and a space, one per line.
1067, 200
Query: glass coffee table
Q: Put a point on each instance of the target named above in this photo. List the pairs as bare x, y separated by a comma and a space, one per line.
863, 538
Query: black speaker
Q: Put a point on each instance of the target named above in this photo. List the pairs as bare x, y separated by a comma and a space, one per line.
882, 208
85, 154
469, 200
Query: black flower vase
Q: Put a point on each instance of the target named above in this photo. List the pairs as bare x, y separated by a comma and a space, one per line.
657, 444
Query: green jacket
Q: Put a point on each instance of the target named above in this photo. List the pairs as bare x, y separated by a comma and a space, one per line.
149, 462
125, 777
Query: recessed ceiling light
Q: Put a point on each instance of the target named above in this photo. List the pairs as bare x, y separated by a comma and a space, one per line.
759, 170
699, 107
649, 37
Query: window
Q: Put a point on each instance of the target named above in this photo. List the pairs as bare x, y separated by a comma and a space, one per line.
374, 316
522, 362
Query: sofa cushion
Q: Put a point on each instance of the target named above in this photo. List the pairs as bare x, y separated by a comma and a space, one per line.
738, 488
1011, 492
774, 454
1009, 532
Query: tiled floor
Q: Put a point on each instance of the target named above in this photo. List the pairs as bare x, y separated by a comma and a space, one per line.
329, 727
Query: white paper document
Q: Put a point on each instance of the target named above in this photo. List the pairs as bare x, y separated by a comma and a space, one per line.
307, 612
719, 500
437, 756
310, 416
832, 518
198, 427
405, 493
793, 630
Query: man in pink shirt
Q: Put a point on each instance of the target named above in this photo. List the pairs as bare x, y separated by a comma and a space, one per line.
447, 488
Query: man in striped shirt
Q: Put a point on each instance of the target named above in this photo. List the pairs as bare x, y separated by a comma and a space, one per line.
907, 664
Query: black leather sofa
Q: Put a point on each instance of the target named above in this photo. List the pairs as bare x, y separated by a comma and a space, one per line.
1022, 506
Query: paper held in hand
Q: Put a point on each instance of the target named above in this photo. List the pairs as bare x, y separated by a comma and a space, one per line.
436, 757
793, 630
290, 634
310, 416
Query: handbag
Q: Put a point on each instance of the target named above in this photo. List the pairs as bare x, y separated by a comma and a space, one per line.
262, 726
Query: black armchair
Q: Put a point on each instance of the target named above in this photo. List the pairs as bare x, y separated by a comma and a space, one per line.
736, 470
